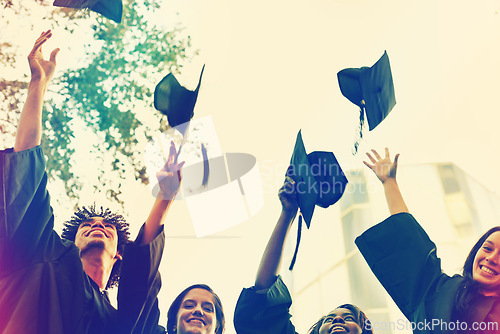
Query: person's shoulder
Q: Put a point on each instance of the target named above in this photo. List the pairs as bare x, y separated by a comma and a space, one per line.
445, 283
10, 151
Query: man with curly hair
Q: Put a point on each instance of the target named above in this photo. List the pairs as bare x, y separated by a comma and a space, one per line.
96, 221
54, 285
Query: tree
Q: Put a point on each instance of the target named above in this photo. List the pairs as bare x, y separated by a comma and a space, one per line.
111, 95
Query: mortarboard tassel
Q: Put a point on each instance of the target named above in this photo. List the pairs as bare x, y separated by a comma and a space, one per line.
206, 166
361, 127
299, 233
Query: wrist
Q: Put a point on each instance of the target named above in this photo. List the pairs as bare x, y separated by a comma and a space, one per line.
38, 84
289, 213
389, 180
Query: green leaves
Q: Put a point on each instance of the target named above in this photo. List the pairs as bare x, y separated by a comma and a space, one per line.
110, 95
112, 91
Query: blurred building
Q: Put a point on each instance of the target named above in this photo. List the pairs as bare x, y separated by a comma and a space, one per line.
451, 206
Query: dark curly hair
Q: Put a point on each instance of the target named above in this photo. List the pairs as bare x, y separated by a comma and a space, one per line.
361, 319
176, 304
84, 214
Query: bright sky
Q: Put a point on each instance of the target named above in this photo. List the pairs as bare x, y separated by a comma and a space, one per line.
271, 70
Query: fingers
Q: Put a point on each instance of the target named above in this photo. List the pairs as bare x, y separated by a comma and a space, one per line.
171, 156
376, 155
44, 36
179, 170
368, 165
288, 186
172, 152
387, 155
396, 159
53, 55
371, 158
170, 164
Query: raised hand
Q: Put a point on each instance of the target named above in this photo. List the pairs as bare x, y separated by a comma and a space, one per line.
288, 196
384, 168
42, 70
169, 177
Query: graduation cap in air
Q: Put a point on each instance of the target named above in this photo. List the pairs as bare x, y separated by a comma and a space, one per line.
111, 9
175, 101
319, 180
371, 89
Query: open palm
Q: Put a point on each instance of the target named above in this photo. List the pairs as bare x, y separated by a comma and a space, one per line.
42, 69
384, 168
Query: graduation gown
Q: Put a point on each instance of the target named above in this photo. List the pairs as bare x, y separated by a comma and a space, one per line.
43, 287
265, 311
404, 260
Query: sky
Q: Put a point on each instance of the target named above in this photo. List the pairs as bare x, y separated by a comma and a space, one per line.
271, 70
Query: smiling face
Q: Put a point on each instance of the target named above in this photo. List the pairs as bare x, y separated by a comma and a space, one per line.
97, 233
486, 266
340, 320
197, 313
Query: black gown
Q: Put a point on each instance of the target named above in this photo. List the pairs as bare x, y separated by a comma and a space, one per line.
404, 260
264, 312
43, 287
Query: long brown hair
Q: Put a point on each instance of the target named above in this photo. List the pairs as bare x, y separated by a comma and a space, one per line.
470, 289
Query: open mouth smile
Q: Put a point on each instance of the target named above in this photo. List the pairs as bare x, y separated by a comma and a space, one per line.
338, 329
488, 271
97, 230
196, 320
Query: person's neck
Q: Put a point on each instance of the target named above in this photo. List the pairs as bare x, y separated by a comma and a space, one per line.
490, 293
98, 266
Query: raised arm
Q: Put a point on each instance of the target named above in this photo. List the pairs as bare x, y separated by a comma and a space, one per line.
385, 170
29, 129
271, 260
169, 179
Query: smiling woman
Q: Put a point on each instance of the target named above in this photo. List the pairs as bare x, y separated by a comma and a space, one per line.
197, 309
483, 263
405, 261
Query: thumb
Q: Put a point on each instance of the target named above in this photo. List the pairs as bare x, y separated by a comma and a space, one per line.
53, 55
396, 160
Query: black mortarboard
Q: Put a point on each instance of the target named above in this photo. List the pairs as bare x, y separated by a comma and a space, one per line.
112, 9
319, 180
175, 101
371, 85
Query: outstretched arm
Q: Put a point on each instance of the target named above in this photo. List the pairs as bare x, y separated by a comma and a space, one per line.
385, 170
169, 180
271, 260
29, 129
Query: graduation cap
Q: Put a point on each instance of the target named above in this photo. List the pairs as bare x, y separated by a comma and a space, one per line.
111, 9
371, 89
319, 180
175, 101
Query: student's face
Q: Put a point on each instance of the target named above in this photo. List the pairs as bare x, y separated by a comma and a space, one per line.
486, 267
197, 313
97, 233
340, 320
